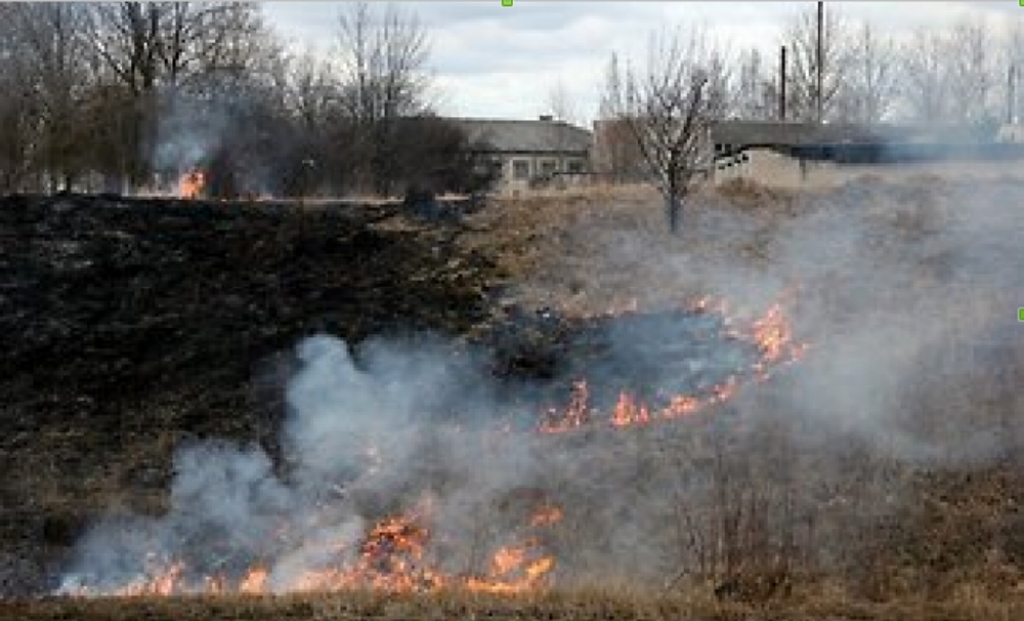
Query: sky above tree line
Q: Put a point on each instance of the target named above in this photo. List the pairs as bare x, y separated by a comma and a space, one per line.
503, 62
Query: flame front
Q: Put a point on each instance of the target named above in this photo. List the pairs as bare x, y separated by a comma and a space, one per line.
396, 553
771, 334
392, 557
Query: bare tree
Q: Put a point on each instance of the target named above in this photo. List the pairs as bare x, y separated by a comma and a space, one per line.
1012, 58
616, 153
970, 73
755, 95
670, 108
383, 75
925, 88
802, 88
156, 52
311, 90
872, 76
18, 103
147, 44
612, 95
53, 44
560, 103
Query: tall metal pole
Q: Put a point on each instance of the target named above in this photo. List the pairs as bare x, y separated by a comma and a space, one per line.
782, 83
820, 93
1011, 100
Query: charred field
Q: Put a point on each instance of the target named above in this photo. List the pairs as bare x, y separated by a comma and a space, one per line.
544, 408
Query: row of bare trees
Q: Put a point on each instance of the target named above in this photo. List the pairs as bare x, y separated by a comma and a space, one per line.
122, 95
954, 75
665, 107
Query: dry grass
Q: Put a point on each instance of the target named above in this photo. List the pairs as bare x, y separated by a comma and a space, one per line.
589, 250
949, 552
577, 605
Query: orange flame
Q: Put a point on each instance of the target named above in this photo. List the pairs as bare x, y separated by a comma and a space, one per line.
391, 558
393, 553
546, 515
191, 184
255, 581
771, 333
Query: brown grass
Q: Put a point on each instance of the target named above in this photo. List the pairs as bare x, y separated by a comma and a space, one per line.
948, 552
578, 605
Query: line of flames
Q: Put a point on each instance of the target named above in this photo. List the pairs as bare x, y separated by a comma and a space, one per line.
391, 556
771, 333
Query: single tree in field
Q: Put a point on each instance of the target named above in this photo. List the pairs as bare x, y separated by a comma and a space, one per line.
669, 108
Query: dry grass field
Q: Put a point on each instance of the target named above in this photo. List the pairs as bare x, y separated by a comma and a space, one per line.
879, 476
595, 605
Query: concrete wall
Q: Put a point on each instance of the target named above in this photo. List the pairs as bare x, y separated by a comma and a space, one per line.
775, 170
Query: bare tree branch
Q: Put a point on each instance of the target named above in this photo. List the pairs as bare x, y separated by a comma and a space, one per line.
670, 108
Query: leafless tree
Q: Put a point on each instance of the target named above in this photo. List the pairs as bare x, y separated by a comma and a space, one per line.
755, 94
18, 114
802, 73
670, 107
560, 103
384, 77
925, 88
616, 153
146, 44
1012, 57
52, 43
613, 90
872, 75
311, 90
154, 53
970, 69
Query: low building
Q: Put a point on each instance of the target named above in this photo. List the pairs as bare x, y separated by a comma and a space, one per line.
529, 152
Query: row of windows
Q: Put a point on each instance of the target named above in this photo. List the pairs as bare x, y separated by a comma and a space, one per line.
521, 168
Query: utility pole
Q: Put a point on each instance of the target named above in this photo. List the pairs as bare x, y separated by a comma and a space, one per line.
820, 57
782, 83
1011, 95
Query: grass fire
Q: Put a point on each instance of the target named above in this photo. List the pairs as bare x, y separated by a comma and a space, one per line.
551, 449
284, 337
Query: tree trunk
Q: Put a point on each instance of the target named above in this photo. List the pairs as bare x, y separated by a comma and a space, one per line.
674, 210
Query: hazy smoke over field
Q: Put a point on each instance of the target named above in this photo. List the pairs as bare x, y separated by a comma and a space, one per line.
362, 441
902, 290
188, 134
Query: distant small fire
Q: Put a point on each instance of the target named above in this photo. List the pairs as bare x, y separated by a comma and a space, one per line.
191, 184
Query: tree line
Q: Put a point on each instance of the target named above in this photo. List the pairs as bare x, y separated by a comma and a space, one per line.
667, 105
121, 96
959, 75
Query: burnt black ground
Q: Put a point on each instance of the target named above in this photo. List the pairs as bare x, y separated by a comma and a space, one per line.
129, 326
132, 326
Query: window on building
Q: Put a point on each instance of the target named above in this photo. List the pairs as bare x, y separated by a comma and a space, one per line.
520, 169
548, 168
575, 166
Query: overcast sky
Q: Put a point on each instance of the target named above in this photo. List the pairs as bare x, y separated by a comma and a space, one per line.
502, 62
